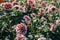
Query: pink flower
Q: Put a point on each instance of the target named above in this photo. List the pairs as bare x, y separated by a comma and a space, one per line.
50, 8
15, 3
43, 19
21, 37
43, 3
27, 18
52, 27
58, 22
53, 8
23, 7
21, 28
58, 9
17, 7
41, 38
32, 3
41, 10
28, 23
33, 15
7, 6
33, 7
29, 2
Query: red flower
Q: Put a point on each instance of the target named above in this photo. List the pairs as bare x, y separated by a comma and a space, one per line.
7, 6
21, 28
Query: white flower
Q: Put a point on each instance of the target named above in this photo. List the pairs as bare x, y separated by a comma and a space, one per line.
58, 22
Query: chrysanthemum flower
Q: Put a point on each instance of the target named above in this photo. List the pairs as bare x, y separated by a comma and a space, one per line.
43, 3
17, 7
14, 3
52, 27
7, 6
33, 15
33, 7
21, 29
31, 2
41, 11
53, 8
21, 37
50, 8
27, 18
28, 23
43, 19
23, 8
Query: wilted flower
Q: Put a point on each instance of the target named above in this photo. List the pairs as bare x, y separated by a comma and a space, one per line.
21, 28
33, 15
41, 11
28, 23
21, 37
52, 27
58, 22
27, 18
17, 7
23, 8
7, 6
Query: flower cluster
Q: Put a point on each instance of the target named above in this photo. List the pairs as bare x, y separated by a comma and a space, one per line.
21, 30
32, 17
